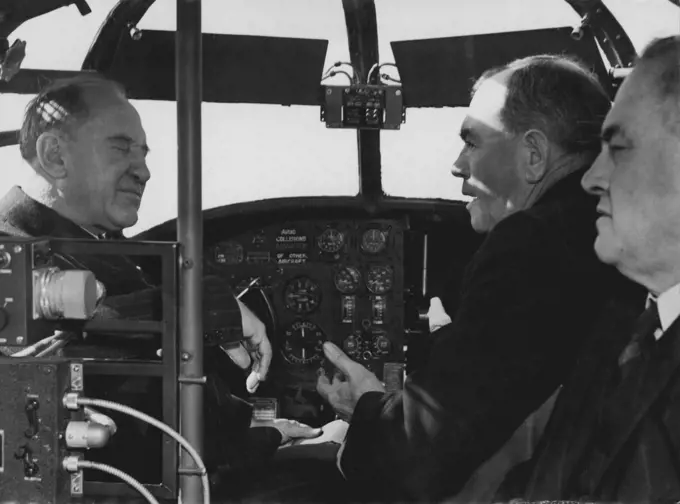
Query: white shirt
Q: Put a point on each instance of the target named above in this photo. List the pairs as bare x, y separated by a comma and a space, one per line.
668, 304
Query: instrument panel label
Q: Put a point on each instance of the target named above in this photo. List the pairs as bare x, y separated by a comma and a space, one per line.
291, 239
291, 258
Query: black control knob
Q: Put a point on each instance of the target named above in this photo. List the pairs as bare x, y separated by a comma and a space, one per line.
25, 454
30, 469
32, 406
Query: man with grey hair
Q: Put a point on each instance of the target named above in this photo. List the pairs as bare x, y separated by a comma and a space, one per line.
527, 297
87, 149
614, 434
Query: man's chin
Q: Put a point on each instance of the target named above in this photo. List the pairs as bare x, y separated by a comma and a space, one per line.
124, 220
480, 220
606, 250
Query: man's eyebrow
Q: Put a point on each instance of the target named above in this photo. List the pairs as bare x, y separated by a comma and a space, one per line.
129, 140
466, 133
610, 131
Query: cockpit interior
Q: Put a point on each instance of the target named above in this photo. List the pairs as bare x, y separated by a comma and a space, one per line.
351, 247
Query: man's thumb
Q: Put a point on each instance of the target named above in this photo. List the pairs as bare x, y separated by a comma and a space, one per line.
337, 357
309, 432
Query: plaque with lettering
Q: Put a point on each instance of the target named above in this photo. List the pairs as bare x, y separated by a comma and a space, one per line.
290, 238
291, 257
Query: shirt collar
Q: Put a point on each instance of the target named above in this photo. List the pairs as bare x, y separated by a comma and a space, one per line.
668, 304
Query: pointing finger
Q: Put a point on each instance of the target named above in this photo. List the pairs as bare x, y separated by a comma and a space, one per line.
338, 358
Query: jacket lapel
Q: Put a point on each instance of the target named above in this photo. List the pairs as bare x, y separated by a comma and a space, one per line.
632, 399
568, 434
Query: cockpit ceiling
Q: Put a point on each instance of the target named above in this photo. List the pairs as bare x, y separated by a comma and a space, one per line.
438, 72
242, 68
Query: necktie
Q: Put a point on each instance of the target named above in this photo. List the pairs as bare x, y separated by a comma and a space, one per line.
642, 339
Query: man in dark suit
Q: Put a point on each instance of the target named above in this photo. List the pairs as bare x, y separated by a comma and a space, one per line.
528, 293
614, 432
86, 147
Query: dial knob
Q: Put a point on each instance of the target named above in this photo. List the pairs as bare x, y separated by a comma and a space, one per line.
382, 345
351, 346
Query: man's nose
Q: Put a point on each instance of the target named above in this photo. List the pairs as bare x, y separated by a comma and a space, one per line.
459, 169
140, 171
596, 180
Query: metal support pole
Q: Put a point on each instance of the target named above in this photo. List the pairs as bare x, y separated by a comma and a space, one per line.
189, 87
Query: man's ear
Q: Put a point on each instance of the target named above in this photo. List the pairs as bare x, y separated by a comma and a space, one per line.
536, 149
49, 151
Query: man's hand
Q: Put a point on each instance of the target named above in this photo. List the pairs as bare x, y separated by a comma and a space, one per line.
254, 348
344, 393
290, 429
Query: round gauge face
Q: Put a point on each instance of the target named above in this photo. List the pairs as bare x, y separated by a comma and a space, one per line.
303, 343
229, 252
380, 279
373, 241
302, 295
331, 240
347, 279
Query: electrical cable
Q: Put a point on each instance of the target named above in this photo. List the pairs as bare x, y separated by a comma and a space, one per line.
53, 347
330, 72
388, 64
45, 342
87, 464
370, 73
333, 73
121, 408
389, 78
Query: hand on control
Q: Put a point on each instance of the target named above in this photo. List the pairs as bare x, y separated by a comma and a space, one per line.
255, 348
343, 393
290, 429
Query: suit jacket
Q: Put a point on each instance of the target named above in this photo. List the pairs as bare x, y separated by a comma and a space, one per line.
527, 295
613, 437
228, 439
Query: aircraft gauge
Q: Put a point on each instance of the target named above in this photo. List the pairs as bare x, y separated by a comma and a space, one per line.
302, 295
303, 343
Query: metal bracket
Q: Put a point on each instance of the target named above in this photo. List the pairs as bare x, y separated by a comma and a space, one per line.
76, 377
192, 380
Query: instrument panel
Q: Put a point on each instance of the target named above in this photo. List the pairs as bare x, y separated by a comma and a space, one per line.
339, 281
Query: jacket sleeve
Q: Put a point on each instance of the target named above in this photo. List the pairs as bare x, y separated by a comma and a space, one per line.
515, 335
230, 443
220, 308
